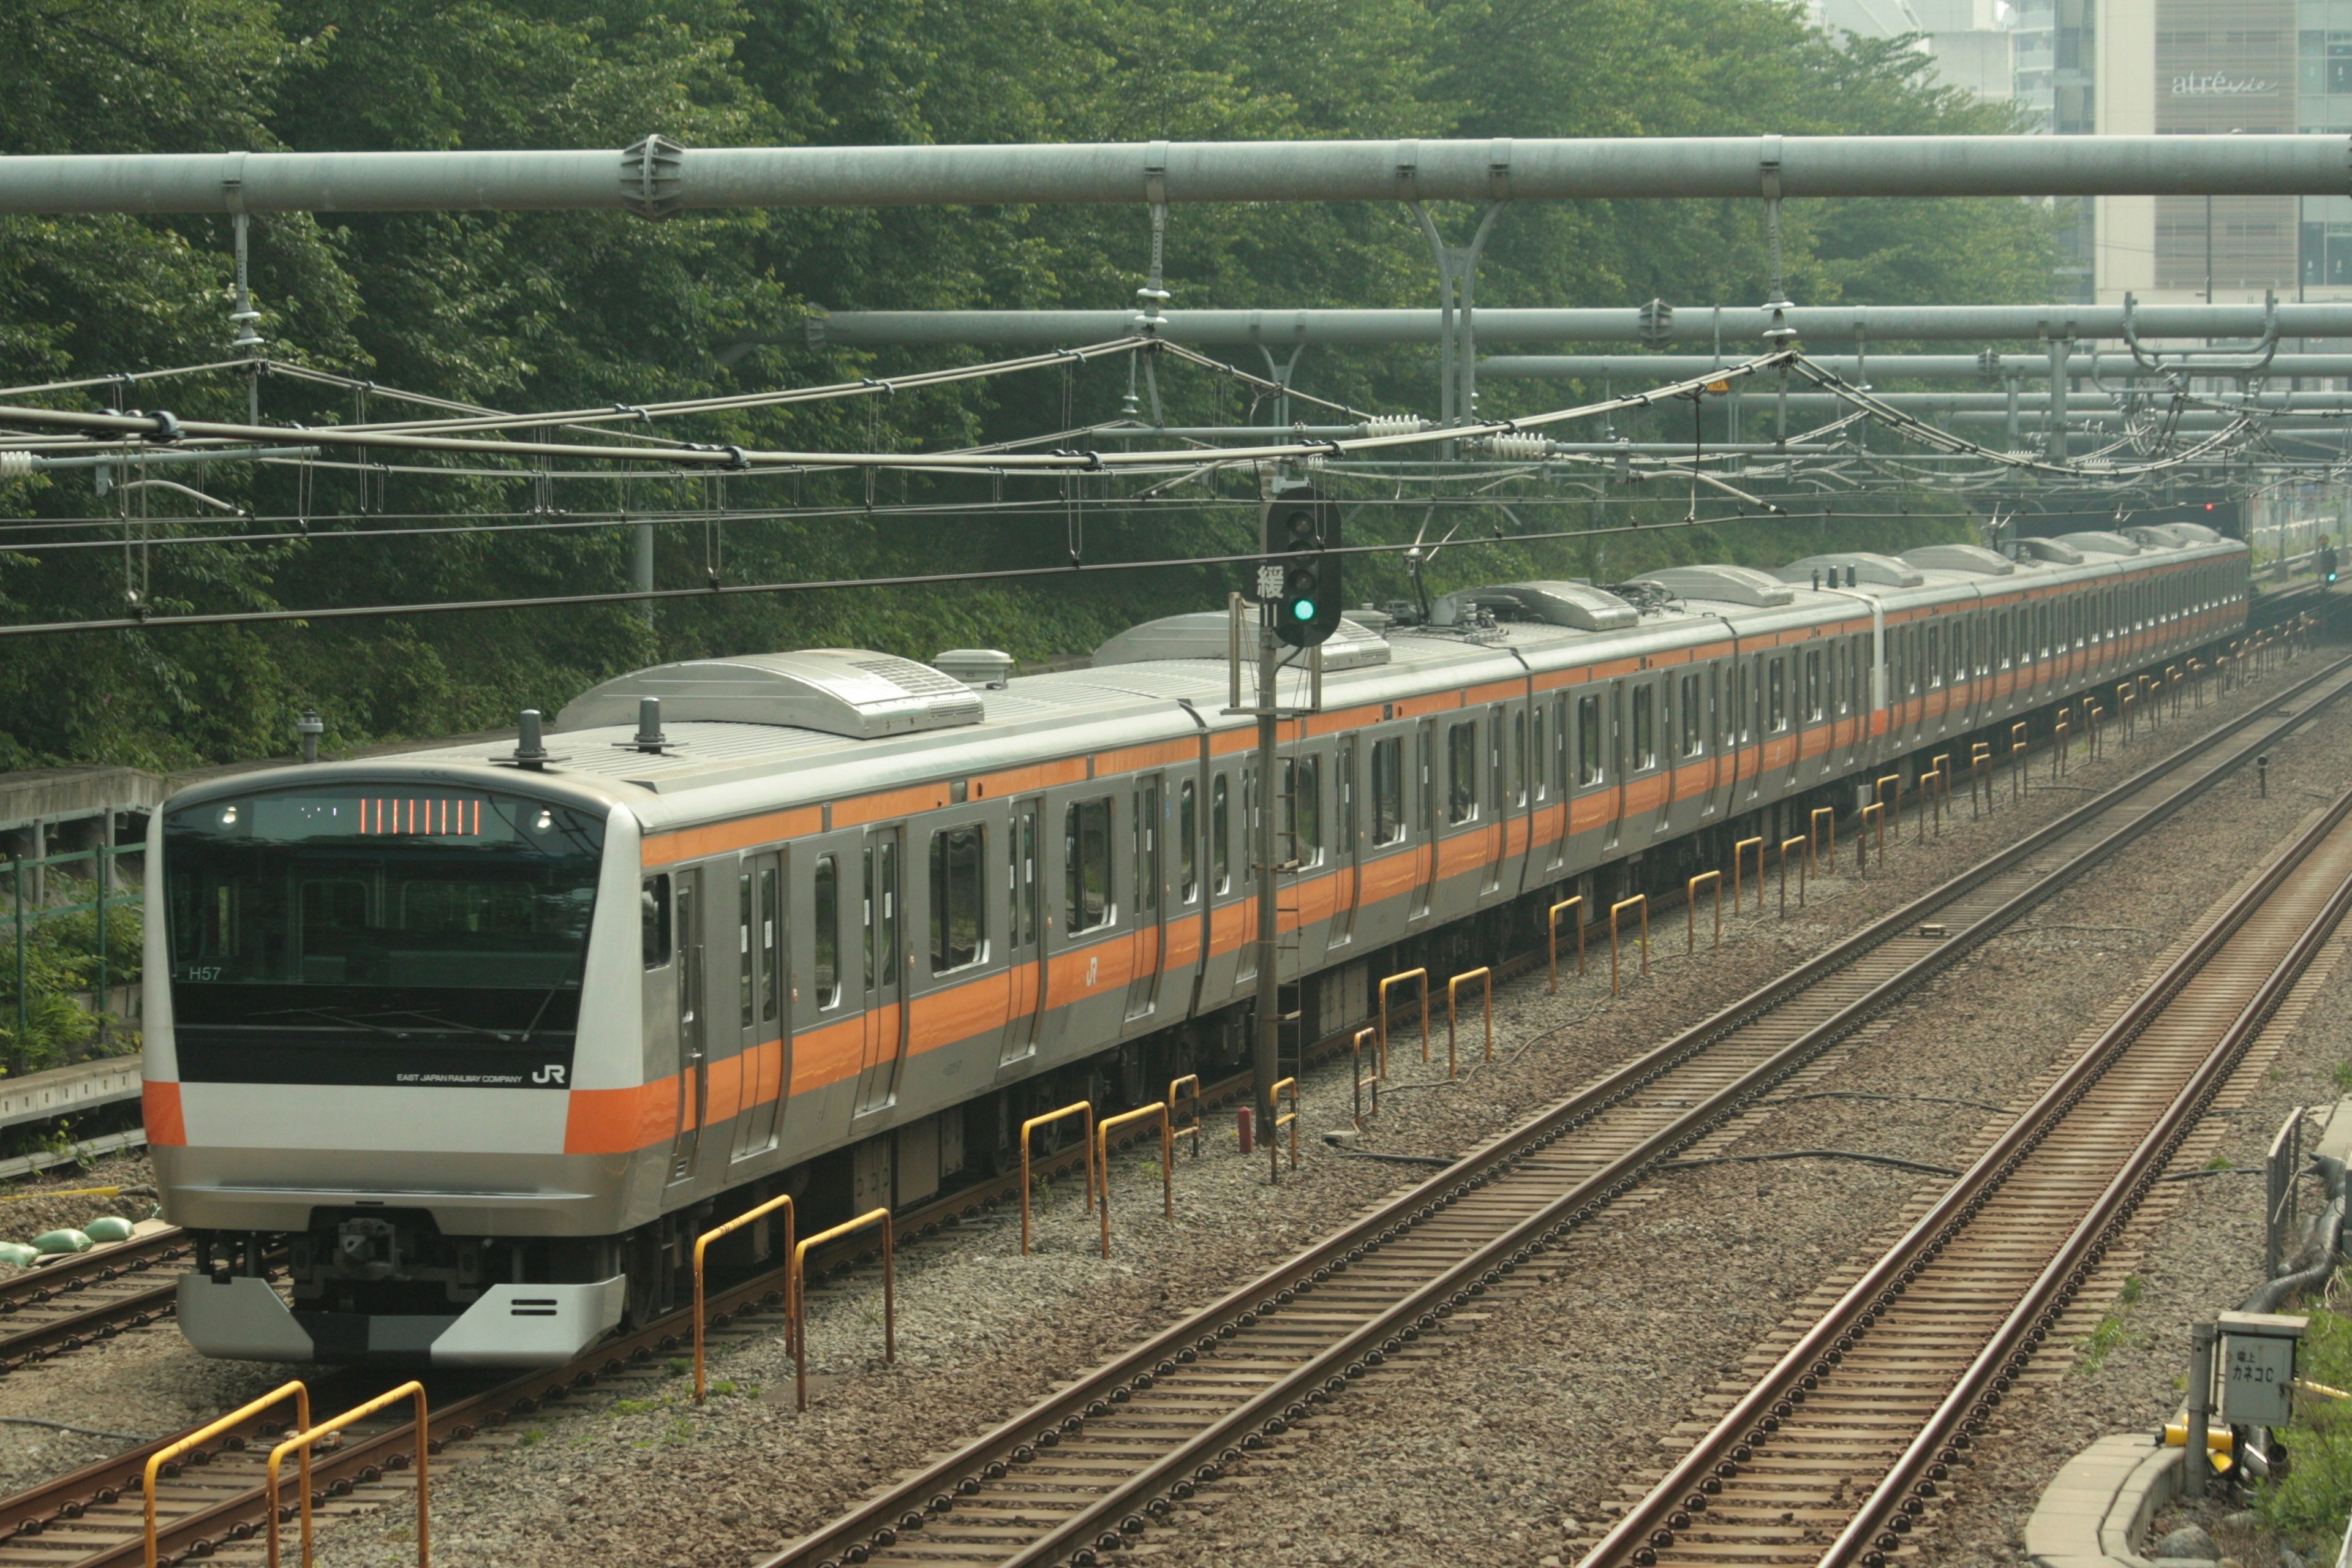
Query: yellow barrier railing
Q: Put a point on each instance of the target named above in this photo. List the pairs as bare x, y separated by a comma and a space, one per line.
1552, 939
796, 1294
1453, 991
1380, 1070
1875, 812
1813, 825
702, 1243
1690, 908
301, 1443
1422, 975
1641, 900
1786, 845
1167, 1163
298, 1391
1192, 1128
1276, 1122
1894, 808
1738, 853
1076, 1108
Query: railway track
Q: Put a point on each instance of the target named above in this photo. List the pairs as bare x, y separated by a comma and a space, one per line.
1083, 1473
88, 1298
1085, 1469
1849, 1445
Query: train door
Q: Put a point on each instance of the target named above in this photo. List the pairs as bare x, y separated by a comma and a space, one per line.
693, 985
885, 968
1148, 929
760, 1003
1024, 919
1424, 743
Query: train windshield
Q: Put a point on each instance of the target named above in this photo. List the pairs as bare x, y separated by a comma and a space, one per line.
359, 914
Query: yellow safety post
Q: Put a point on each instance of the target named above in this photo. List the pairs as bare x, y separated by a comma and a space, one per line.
301, 1443
1167, 1163
1422, 975
1453, 989
2018, 784
1552, 940
1690, 908
1192, 1128
1813, 825
2060, 740
1894, 808
1076, 1108
1786, 845
702, 1243
298, 1390
1642, 901
1380, 1070
1276, 1123
1874, 812
1738, 853
1929, 783
796, 1295
1980, 754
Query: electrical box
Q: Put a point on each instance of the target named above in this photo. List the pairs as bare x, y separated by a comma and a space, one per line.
2257, 1375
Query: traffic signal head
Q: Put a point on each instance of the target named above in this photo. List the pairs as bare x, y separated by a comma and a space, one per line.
1302, 537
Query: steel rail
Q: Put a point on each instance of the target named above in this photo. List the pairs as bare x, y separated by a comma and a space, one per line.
1170, 1478
1650, 1526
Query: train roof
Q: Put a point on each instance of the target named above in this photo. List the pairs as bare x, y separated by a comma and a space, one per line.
765, 731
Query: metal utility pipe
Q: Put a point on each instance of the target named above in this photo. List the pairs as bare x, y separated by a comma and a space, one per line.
2075, 402
657, 178
1986, 367
1743, 324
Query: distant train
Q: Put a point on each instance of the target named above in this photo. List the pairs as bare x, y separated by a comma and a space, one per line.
482, 1040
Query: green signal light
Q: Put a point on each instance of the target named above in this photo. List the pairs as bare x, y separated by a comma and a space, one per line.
1303, 610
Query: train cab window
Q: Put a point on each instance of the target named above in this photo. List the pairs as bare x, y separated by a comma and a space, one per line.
1590, 758
653, 920
1086, 865
1302, 809
959, 899
826, 918
1188, 843
1692, 743
1388, 791
1776, 695
1813, 709
1520, 758
1645, 740
1462, 773
1220, 835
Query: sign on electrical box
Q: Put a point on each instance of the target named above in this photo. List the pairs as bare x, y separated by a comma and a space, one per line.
2257, 1352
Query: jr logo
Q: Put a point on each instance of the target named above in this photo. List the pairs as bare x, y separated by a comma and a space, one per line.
552, 1073
1091, 965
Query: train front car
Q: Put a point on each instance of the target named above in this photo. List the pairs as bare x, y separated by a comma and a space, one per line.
384, 982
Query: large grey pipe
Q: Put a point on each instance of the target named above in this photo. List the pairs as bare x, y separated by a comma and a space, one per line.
1986, 367
1741, 325
657, 178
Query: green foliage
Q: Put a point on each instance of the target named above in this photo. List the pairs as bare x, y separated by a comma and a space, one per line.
60, 958
2113, 1330
2313, 1500
558, 310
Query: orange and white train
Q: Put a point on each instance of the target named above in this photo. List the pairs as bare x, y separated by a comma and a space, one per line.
482, 1040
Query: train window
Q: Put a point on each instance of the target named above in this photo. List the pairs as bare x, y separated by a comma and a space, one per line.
653, 920
1560, 745
1813, 709
1498, 786
1645, 746
1302, 809
772, 943
1086, 865
881, 909
827, 919
1188, 843
1776, 695
1461, 772
1934, 657
1542, 767
748, 986
1588, 740
1221, 838
958, 903
1146, 848
1343, 795
1520, 758
1388, 791
1020, 877
1693, 743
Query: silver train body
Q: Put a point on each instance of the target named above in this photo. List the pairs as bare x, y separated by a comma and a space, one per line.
481, 1045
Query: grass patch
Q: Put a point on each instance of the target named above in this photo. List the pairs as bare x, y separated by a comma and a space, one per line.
2219, 1162
637, 1406
2311, 1503
2113, 1333
2343, 1076
535, 1435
